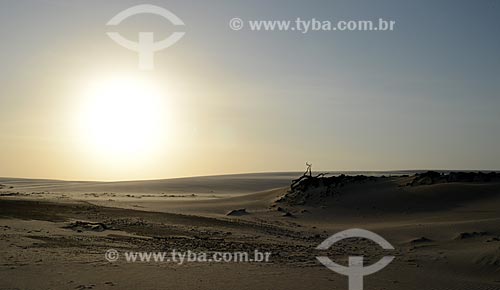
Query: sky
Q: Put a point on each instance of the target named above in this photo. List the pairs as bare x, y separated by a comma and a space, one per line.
219, 101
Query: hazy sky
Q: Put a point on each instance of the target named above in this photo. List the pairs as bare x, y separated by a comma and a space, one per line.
425, 96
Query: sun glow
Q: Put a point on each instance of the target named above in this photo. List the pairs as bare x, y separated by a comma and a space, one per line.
123, 119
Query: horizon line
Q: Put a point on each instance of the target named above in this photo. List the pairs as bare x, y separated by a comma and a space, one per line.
402, 171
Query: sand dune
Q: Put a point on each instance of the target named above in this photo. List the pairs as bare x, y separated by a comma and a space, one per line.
237, 183
446, 235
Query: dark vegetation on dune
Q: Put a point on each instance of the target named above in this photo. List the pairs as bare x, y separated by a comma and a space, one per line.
81, 226
433, 177
237, 212
315, 189
309, 189
2, 186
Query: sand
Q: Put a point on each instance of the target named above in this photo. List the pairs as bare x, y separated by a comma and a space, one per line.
54, 234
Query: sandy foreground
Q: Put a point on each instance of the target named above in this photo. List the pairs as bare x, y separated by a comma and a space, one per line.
55, 234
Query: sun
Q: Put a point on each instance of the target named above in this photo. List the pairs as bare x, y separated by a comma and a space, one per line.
123, 118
